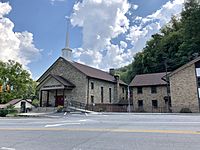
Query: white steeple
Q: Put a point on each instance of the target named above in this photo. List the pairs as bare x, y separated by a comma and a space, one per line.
67, 52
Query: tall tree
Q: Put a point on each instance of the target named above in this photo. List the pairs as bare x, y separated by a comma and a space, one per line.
175, 45
16, 82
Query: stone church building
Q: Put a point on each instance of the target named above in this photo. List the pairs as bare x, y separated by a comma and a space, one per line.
67, 81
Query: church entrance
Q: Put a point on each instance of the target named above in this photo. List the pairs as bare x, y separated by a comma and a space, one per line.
59, 101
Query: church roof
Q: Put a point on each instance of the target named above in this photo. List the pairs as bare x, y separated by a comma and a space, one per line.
148, 79
95, 73
62, 80
88, 71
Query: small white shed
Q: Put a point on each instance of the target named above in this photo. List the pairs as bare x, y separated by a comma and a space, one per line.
20, 104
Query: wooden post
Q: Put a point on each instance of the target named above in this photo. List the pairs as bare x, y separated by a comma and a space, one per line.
40, 98
56, 97
47, 99
63, 97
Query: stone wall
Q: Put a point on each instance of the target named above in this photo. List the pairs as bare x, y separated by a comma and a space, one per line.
96, 92
123, 92
147, 98
183, 86
66, 70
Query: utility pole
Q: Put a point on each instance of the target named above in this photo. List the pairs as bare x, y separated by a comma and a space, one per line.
167, 80
129, 105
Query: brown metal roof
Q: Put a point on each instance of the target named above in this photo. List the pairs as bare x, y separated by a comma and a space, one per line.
88, 71
148, 79
95, 73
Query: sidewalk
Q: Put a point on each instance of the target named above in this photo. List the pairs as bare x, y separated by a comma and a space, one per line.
48, 115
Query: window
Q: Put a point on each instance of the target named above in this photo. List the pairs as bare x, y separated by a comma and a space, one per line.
153, 89
110, 95
92, 99
131, 93
140, 103
168, 89
139, 90
101, 94
123, 90
154, 103
198, 80
92, 85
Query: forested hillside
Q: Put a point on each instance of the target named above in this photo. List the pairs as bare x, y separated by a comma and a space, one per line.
176, 44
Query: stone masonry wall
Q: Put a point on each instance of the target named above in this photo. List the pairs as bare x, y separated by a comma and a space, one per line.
96, 92
147, 98
183, 86
79, 93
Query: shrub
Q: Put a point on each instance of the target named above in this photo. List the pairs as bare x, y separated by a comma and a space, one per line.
11, 109
3, 112
60, 108
36, 102
185, 110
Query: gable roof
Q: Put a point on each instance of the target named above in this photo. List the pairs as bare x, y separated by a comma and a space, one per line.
95, 73
88, 71
13, 102
62, 80
148, 79
185, 66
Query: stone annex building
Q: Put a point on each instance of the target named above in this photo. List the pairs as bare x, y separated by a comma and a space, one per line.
149, 93
67, 82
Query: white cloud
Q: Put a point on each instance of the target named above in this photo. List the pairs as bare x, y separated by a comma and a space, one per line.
17, 46
54, 1
103, 20
5, 9
123, 44
151, 24
135, 6
116, 57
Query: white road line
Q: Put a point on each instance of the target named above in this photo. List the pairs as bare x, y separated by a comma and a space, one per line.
83, 120
57, 125
7, 148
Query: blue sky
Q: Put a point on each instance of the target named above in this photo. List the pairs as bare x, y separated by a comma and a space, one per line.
103, 34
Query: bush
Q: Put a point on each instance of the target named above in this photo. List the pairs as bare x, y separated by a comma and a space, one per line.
11, 109
36, 102
185, 110
3, 112
60, 108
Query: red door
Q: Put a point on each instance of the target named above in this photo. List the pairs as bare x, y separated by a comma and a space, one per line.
59, 101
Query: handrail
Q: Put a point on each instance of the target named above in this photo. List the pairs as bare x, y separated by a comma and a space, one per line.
77, 104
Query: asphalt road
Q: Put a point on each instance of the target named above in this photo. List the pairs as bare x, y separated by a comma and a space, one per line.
101, 132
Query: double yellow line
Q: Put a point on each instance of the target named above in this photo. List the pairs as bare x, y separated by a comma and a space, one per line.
104, 130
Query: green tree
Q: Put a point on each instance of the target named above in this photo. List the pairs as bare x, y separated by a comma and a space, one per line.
175, 45
16, 82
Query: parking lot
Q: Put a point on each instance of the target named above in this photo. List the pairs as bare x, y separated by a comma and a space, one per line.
102, 132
